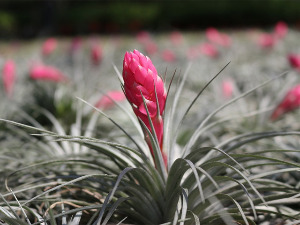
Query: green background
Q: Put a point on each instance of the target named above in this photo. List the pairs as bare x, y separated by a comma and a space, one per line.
65, 17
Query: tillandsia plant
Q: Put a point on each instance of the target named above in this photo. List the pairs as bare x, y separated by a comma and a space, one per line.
158, 177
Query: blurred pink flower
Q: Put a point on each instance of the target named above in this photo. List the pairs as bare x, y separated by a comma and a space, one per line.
214, 36
226, 40
49, 46
290, 102
143, 37
294, 60
107, 101
139, 76
227, 88
193, 52
150, 47
43, 72
280, 29
8, 76
266, 40
176, 38
76, 44
168, 55
208, 50
96, 54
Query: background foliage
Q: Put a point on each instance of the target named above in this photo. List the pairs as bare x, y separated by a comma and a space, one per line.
68, 17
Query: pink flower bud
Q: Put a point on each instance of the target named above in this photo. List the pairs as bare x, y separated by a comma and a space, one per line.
168, 55
176, 38
76, 44
266, 40
227, 88
8, 76
139, 76
143, 37
106, 102
49, 46
192, 53
294, 60
214, 36
96, 54
280, 30
42, 72
150, 47
208, 50
290, 102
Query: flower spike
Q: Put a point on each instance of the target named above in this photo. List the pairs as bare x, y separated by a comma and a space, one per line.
142, 81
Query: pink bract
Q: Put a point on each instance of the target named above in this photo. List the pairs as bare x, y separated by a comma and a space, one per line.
96, 54
8, 76
266, 40
193, 53
42, 72
143, 37
294, 60
76, 44
150, 47
280, 29
214, 36
290, 102
139, 76
49, 46
176, 38
168, 55
208, 50
227, 88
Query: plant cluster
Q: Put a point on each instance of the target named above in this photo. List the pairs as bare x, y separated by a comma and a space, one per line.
189, 148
